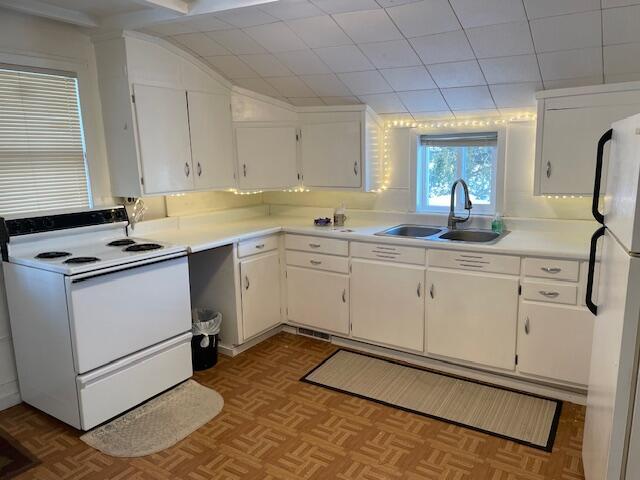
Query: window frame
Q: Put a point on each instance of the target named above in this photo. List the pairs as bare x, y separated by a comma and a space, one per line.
497, 204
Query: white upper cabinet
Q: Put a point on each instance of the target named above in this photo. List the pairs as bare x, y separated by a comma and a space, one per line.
266, 156
161, 113
211, 140
570, 123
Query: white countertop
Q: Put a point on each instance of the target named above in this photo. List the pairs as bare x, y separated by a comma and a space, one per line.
204, 235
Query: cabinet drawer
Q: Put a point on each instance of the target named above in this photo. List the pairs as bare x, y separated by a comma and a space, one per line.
318, 261
317, 244
257, 245
388, 252
551, 268
475, 261
550, 292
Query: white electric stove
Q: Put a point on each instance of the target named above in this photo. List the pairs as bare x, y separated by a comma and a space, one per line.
100, 321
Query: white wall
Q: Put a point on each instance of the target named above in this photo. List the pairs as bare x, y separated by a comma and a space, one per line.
33, 41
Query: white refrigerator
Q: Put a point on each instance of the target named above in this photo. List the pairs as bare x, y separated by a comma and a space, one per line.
611, 447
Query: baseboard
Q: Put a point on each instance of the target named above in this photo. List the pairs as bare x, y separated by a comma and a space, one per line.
232, 351
9, 395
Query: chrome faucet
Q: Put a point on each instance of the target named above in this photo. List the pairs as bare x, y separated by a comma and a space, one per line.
453, 221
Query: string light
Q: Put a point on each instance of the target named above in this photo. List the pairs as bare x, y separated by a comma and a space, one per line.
235, 191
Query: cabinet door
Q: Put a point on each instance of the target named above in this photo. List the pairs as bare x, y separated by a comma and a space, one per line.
569, 143
318, 299
331, 154
260, 277
472, 317
266, 157
387, 303
211, 140
555, 342
163, 139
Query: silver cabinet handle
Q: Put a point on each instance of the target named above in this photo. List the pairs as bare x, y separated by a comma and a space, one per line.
419, 289
526, 325
246, 283
314, 245
553, 270
355, 168
187, 169
344, 296
431, 291
199, 169
548, 169
544, 293
244, 169
260, 246
315, 262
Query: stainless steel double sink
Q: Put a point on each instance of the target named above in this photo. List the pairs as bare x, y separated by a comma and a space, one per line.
443, 234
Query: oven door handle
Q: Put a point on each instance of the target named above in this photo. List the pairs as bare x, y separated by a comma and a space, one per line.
81, 277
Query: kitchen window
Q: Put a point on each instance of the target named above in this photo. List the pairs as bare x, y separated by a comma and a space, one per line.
443, 158
42, 151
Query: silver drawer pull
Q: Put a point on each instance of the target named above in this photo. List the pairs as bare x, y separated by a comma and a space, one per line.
385, 256
471, 265
314, 245
551, 269
260, 246
385, 248
471, 256
544, 293
526, 326
315, 262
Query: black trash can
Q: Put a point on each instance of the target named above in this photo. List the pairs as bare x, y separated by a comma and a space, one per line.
204, 344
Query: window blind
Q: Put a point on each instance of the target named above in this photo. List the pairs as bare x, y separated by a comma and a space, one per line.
479, 139
42, 160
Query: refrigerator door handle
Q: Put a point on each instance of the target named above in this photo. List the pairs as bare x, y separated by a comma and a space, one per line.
592, 266
596, 186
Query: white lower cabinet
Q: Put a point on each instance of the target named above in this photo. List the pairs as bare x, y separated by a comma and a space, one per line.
472, 317
260, 284
555, 342
318, 299
387, 303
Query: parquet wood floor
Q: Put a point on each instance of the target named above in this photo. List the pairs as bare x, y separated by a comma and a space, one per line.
275, 427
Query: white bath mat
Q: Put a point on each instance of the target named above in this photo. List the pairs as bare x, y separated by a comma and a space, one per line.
159, 423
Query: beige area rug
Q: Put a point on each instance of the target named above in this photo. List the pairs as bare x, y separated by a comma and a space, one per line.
157, 424
521, 417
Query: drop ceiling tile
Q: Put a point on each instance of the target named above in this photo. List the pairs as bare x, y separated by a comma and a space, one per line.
566, 32
291, 87
368, 26
517, 69
585, 62
384, 103
230, 66
266, 65
424, 18
457, 74
622, 77
276, 37
341, 6
173, 28
365, 83
200, 44
443, 47
319, 32
396, 53
328, 85
468, 98
481, 113
621, 25
257, 85
423, 101
245, 17
572, 82
395, 3
408, 78
290, 9
305, 101
341, 100
343, 59
618, 3
503, 40
508, 95
433, 116
302, 62
549, 8
621, 59
476, 13
208, 23
236, 41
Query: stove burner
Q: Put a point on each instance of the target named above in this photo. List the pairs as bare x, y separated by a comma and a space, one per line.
121, 243
82, 260
51, 255
141, 247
